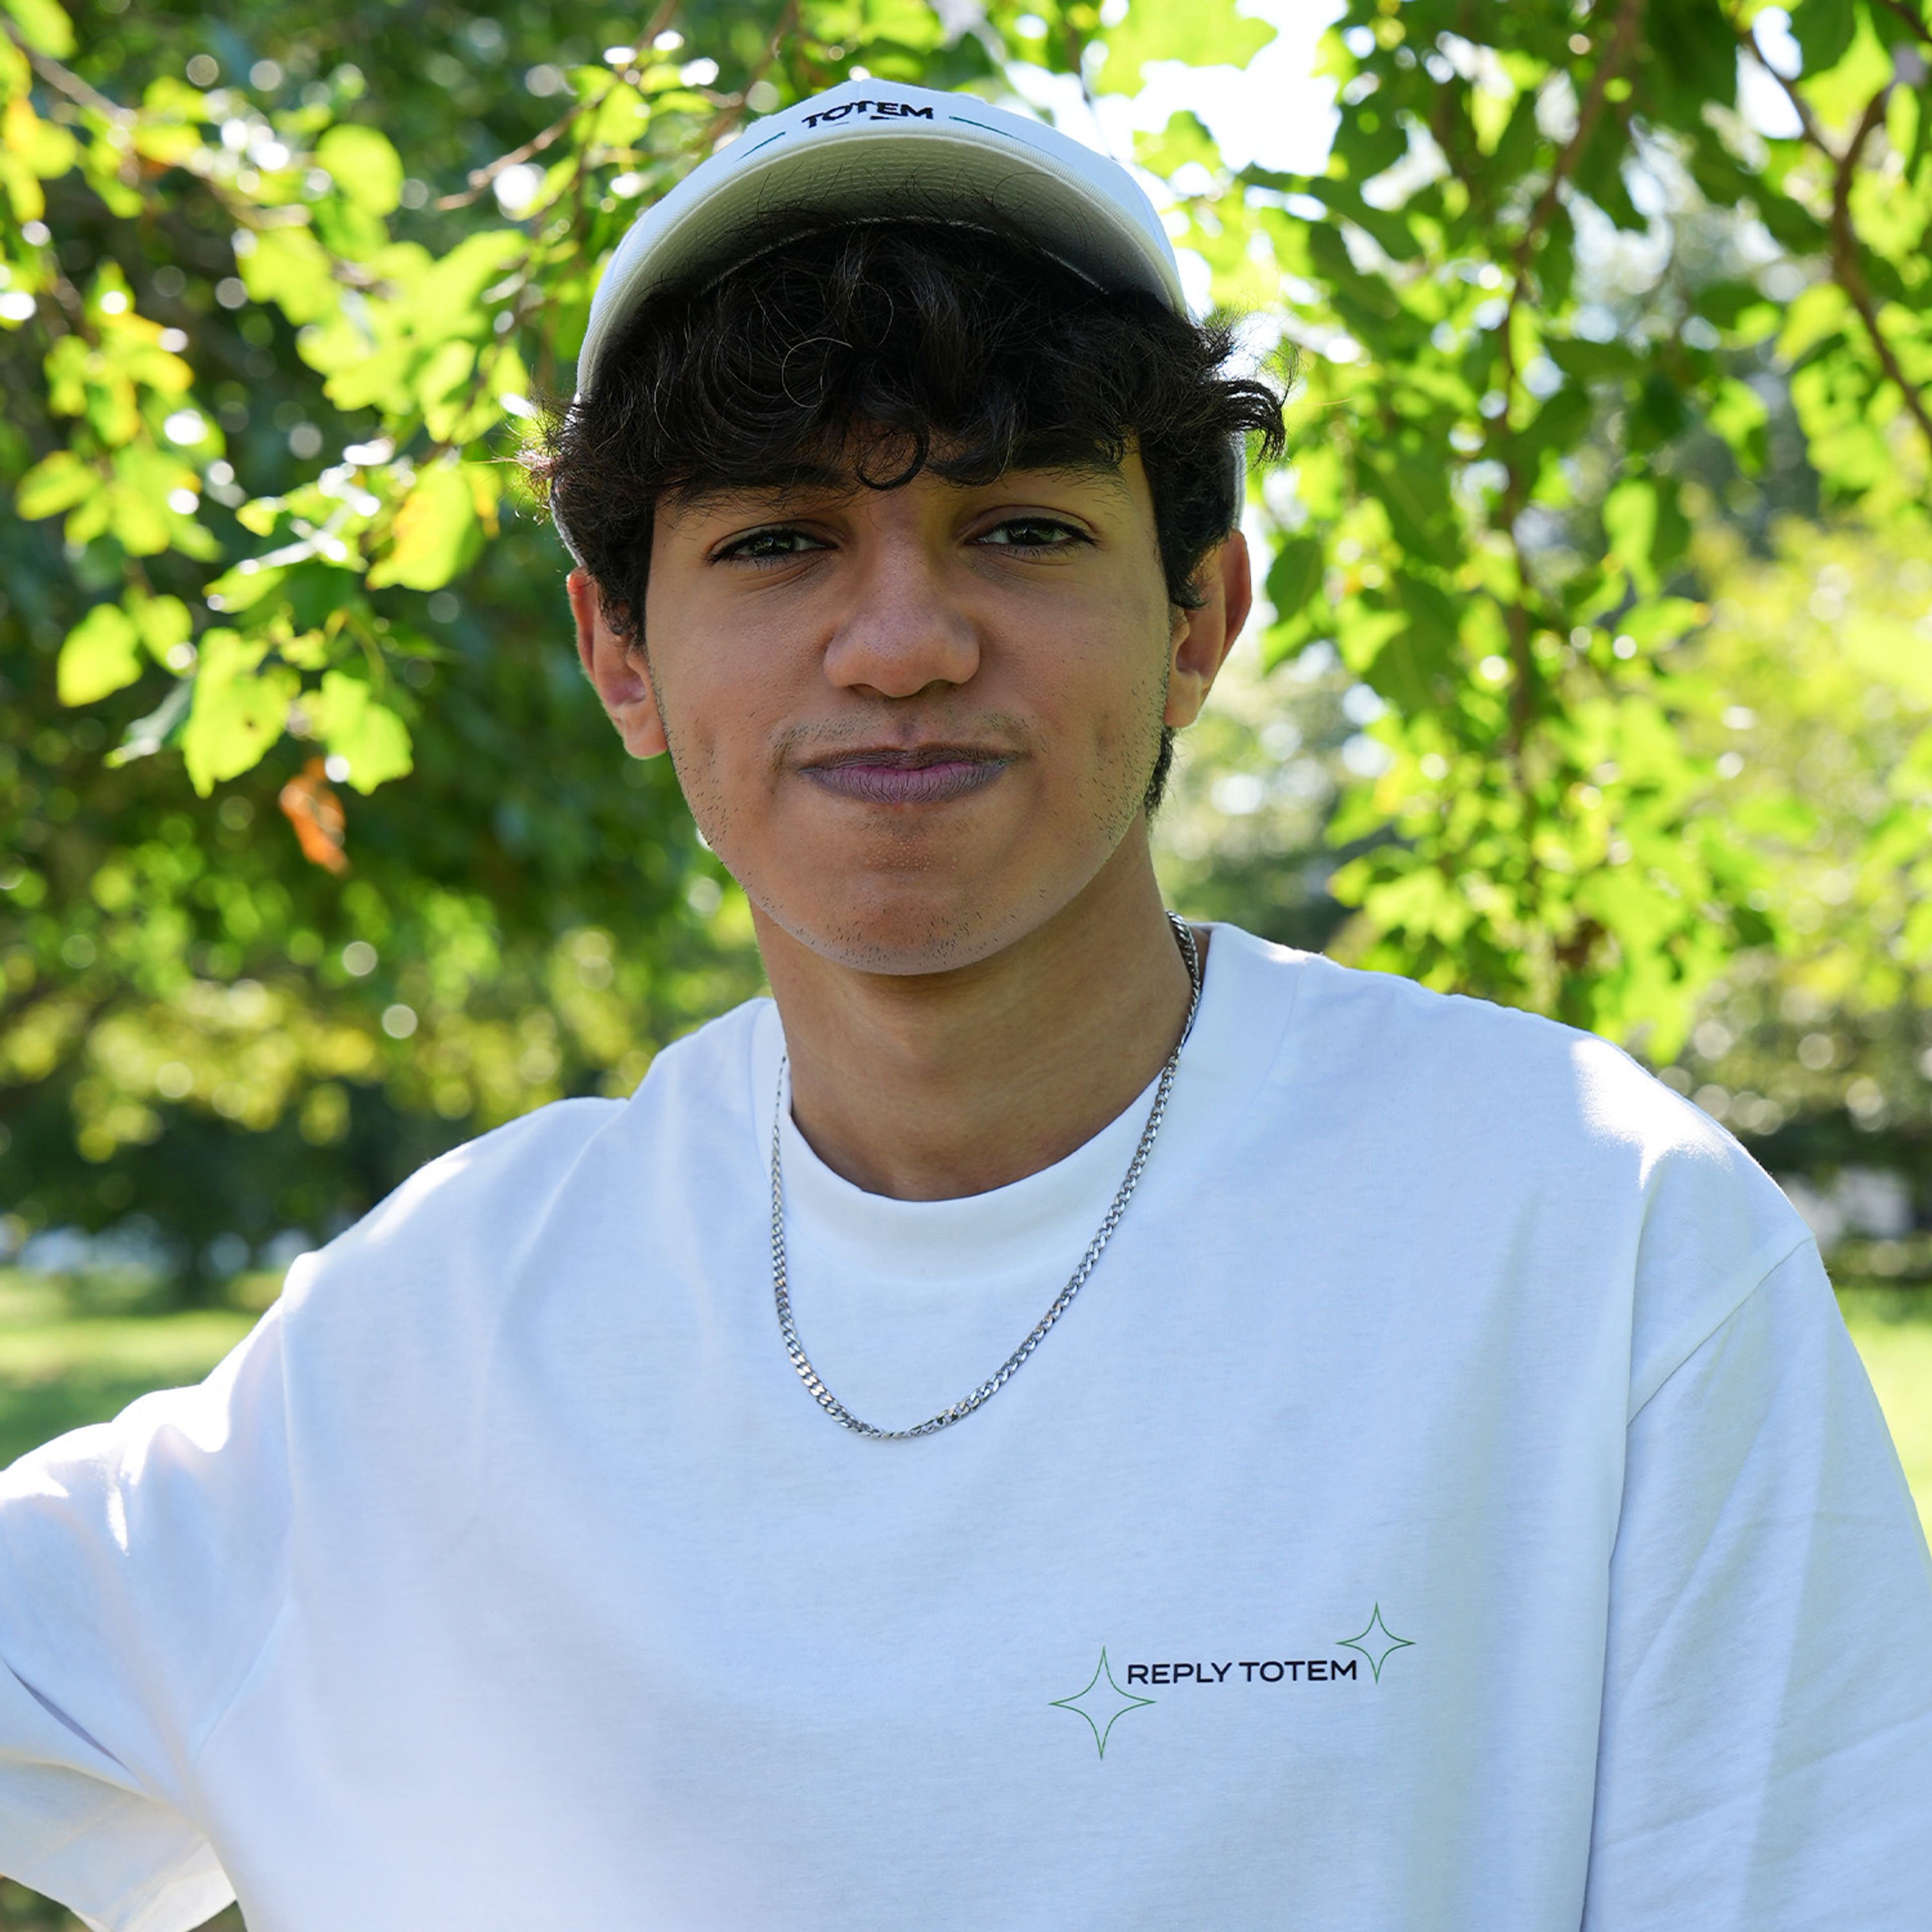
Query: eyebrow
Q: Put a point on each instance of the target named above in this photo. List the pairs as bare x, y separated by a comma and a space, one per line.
798, 479
806, 478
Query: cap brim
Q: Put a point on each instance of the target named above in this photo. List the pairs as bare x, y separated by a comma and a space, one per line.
956, 169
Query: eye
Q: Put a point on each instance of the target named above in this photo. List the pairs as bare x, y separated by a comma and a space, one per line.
1034, 532
774, 545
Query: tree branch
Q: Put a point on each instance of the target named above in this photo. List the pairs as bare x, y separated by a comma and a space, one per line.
659, 22
1903, 12
480, 178
1851, 276
66, 81
1623, 42
1806, 120
1845, 266
1624, 31
787, 22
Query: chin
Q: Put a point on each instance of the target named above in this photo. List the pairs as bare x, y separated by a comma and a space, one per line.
900, 931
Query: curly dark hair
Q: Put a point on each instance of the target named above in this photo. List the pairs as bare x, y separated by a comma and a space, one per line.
879, 348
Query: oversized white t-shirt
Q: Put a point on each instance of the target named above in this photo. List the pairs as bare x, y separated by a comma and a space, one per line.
1453, 1505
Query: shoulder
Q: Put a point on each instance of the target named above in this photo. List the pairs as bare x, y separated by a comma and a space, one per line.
480, 1214
1428, 1031
1462, 1072
1471, 1114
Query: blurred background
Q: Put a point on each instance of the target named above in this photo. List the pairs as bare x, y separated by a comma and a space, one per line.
1595, 673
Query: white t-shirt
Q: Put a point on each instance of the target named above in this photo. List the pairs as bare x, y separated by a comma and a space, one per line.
1453, 1505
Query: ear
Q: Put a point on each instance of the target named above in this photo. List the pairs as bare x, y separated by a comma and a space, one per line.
615, 665
1202, 638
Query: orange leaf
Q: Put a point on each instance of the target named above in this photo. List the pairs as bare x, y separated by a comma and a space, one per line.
310, 804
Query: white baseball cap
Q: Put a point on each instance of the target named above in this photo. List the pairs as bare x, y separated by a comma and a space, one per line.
874, 150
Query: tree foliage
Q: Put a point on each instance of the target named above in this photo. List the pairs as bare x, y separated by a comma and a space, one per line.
1500, 450
1819, 654
313, 831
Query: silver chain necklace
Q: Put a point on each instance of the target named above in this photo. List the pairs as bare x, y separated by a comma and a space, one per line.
991, 1386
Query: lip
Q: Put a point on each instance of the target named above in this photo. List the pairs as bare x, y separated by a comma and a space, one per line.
900, 774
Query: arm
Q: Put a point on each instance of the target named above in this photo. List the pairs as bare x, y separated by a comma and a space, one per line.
140, 1568
1766, 1756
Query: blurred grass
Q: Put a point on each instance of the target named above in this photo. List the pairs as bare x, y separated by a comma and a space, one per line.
24, 1911
76, 1352
73, 1353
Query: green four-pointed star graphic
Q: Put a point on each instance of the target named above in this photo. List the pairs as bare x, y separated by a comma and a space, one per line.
1377, 1643
1101, 1702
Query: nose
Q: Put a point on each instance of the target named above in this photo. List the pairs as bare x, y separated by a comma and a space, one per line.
903, 630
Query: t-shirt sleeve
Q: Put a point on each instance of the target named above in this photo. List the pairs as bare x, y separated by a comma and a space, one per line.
141, 1568
1766, 1757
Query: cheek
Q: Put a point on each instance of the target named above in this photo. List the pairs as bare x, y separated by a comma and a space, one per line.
724, 714
1111, 694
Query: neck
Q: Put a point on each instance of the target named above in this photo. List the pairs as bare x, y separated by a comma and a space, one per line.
926, 1087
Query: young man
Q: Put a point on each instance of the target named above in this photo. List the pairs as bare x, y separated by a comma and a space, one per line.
1060, 1420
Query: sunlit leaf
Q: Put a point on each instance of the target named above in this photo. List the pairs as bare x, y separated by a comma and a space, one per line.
100, 655
55, 483
238, 711
164, 625
43, 146
288, 267
348, 717
436, 532
1204, 33
363, 165
43, 25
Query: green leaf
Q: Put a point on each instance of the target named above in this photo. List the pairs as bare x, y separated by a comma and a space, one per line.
436, 534
244, 586
1184, 139
1692, 64
1295, 575
1363, 629
313, 592
1562, 422
1407, 669
1824, 30
1590, 362
355, 726
289, 268
1630, 522
1737, 413
167, 143
1203, 33
351, 231
44, 26
138, 520
441, 386
99, 656
1663, 617
1415, 494
1390, 228
1659, 413
164, 624
43, 147
238, 711
1725, 301
55, 484
1362, 301
620, 118
363, 165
